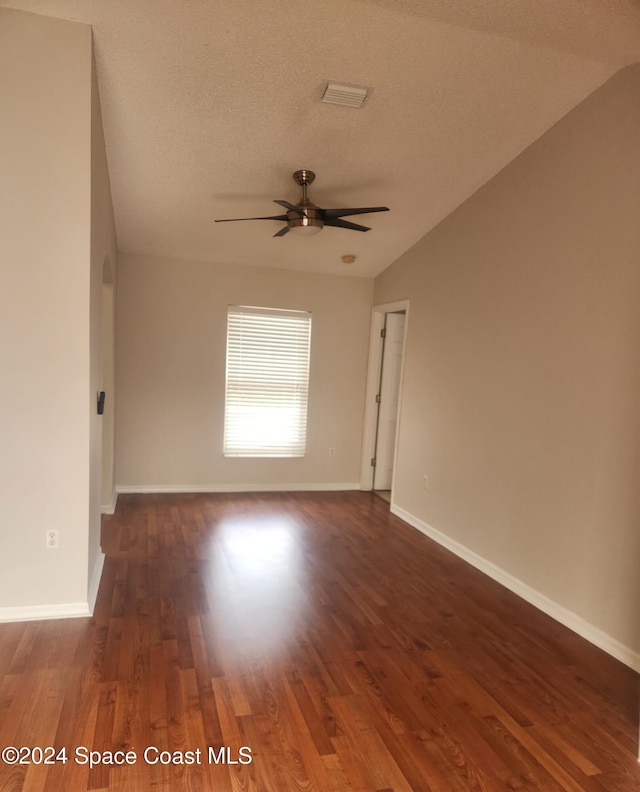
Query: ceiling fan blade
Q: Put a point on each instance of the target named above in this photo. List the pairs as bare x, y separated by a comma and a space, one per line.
347, 212
290, 206
235, 219
282, 231
337, 223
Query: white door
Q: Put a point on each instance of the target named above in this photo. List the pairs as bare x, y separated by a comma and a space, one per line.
388, 402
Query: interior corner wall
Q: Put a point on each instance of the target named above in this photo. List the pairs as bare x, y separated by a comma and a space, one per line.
522, 372
108, 487
45, 104
170, 374
103, 264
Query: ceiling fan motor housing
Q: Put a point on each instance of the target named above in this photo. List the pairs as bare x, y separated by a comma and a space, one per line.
308, 217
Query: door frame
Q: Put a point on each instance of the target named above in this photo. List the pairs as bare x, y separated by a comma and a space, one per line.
373, 382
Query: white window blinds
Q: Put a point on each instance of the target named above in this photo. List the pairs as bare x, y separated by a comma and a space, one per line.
267, 382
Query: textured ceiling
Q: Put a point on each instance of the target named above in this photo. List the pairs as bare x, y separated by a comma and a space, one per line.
209, 105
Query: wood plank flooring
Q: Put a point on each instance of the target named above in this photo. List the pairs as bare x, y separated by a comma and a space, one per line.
322, 639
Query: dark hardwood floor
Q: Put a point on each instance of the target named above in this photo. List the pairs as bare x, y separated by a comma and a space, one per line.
324, 640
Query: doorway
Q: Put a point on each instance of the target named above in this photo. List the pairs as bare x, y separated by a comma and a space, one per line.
384, 398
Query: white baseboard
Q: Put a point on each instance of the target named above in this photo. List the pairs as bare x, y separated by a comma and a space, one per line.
94, 583
109, 508
205, 488
558, 612
64, 610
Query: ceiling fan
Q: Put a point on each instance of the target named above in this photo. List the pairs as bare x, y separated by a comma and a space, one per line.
307, 218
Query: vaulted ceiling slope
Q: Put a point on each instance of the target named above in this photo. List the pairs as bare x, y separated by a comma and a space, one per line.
210, 105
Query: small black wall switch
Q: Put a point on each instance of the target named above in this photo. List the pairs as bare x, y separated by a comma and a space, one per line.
101, 402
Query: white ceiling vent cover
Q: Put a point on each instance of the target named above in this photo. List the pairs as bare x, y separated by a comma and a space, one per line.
345, 95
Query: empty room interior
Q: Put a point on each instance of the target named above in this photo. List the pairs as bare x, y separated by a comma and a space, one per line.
320, 427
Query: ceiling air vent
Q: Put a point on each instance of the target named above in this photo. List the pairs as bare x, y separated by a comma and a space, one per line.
345, 95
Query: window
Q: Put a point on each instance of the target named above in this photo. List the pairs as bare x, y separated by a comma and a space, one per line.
267, 382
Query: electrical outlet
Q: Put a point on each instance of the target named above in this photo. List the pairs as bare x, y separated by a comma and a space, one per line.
426, 481
332, 452
52, 538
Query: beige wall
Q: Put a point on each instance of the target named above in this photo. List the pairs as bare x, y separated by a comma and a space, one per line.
103, 258
108, 385
171, 345
45, 106
522, 379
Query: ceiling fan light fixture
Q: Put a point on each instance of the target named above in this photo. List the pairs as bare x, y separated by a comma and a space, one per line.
305, 226
345, 95
305, 231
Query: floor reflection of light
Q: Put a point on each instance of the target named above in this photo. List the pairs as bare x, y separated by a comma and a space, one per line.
257, 571
260, 547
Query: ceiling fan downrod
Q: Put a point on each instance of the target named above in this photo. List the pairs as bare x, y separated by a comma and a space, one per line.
308, 220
